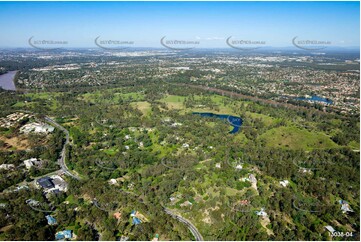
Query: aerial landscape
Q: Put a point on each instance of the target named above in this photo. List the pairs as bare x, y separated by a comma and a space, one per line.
180, 121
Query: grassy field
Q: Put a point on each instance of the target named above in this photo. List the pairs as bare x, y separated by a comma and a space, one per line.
176, 102
115, 98
288, 136
291, 137
267, 120
48, 97
144, 107
111, 151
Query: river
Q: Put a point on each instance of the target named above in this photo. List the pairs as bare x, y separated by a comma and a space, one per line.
236, 122
7, 81
315, 99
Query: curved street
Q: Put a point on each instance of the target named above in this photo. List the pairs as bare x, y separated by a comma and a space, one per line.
190, 226
66, 170
61, 160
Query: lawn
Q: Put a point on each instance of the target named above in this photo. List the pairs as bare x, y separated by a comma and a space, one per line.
176, 102
71, 199
173, 101
144, 107
113, 98
111, 151
267, 120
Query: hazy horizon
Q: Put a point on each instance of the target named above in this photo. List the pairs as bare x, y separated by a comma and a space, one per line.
209, 23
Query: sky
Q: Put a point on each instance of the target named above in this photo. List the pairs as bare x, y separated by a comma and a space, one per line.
209, 23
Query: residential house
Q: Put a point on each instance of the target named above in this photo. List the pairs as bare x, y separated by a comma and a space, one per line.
284, 183
135, 220
45, 183
65, 234
156, 237
330, 228
239, 167
51, 220
185, 145
117, 215
262, 213
186, 204
252, 178
32, 162
7, 167
345, 207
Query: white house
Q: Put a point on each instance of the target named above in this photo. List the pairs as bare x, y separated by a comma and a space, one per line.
7, 166
185, 145
330, 228
262, 213
59, 183
32, 162
239, 167
284, 183
252, 178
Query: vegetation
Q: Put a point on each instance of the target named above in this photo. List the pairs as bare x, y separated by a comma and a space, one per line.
145, 136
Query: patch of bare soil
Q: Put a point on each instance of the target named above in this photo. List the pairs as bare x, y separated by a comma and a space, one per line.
17, 142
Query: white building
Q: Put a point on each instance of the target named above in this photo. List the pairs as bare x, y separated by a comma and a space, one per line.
185, 145
176, 124
262, 213
37, 128
284, 183
330, 228
59, 183
252, 178
32, 162
239, 167
7, 167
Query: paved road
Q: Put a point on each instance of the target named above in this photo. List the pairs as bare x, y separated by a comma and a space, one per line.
66, 170
61, 160
96, 204
25, 183
190, 226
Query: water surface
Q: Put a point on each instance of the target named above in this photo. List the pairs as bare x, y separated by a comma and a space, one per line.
315, 99
7, 81
234, 121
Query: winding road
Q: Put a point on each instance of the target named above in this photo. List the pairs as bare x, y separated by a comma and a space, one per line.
61, 160
66, 170
190, 226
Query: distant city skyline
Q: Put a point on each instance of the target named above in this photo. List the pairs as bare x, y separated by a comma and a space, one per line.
210, 24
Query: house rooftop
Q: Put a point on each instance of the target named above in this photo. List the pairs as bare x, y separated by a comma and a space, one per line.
330, 228
65, 234
45, 182
136, 221
117, 215
51, 220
